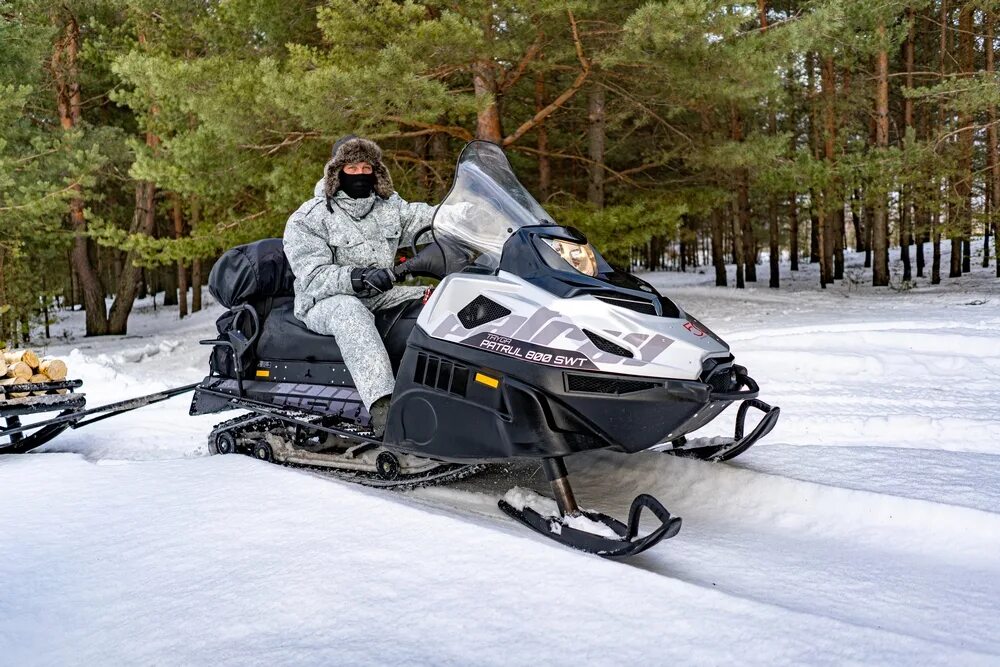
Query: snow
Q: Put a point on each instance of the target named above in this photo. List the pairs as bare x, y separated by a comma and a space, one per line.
864, 529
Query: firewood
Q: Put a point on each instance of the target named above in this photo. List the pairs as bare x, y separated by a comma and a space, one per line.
27, 356
6, 382
38, 378
3, 367
54, 369
19, 370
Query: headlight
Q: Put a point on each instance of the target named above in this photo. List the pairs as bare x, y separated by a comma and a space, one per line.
578, 255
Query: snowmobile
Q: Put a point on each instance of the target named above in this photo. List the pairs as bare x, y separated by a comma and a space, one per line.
531, 346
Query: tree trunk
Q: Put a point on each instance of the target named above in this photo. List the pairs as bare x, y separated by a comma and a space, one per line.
859, 240
143, 220
839, 238
936, 247
867, 224
195, 285
963, 185
542, 142
182, 284
880, 232
737, 240
195, 263
718, 249
936, 218
905, 194
746, 255
596, 140
774, 252
488, 125
904, 234
920, 227
168, 278
793, 241
988, 211
991, 148
815, 252
827, 216
68, 101
814, 227
684, 247
774, 249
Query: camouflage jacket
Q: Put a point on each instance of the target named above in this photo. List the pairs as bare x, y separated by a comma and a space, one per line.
323, 246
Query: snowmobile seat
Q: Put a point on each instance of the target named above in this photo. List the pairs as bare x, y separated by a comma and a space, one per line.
256, 284
284, 337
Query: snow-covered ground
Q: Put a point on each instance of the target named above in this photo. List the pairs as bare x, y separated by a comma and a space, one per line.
864, 529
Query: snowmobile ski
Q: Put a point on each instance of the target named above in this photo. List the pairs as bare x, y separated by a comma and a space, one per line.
606, 536
627, 543
730, 448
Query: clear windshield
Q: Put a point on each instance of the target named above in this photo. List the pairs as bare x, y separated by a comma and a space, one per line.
486, 204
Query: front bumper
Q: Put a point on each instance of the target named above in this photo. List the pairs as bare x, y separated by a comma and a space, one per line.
540, 411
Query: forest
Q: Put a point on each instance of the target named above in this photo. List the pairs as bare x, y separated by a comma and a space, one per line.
139, 139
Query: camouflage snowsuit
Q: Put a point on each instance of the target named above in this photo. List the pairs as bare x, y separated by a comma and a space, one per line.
323, 246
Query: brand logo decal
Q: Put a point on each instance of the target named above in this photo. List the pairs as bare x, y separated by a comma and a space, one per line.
690, 326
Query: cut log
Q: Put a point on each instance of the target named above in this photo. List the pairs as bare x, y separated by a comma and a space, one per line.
38, 378
6, 382
3, 367
26, 356
54, 369
19, 370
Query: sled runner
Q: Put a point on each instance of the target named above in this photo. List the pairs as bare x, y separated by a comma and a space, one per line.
60, 397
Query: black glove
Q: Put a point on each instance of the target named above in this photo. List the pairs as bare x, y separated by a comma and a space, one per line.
371, 280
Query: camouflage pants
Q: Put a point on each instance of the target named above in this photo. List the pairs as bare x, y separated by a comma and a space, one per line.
349, 319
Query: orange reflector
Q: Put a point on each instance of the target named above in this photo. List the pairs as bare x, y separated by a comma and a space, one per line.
263, 374
487, 380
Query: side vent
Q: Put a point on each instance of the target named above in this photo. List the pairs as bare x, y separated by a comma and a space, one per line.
589, 384
605, 345
441, 374
480, 311
638, 305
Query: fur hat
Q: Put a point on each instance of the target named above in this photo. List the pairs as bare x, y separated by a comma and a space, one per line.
351, 149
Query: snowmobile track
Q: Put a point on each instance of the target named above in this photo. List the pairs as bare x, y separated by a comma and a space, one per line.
451, 472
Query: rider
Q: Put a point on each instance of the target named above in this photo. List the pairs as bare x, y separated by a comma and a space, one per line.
341, 245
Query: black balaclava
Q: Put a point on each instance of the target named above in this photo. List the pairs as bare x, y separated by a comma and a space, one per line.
357, 186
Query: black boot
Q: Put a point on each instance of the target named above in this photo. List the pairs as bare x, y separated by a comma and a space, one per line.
379, 412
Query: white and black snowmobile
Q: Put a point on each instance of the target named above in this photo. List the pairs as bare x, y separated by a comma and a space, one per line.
531, 346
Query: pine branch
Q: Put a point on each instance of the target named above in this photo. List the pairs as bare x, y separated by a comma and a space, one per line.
451, 130
618, 175
54, 193
512, 77
565, 96
289, 140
